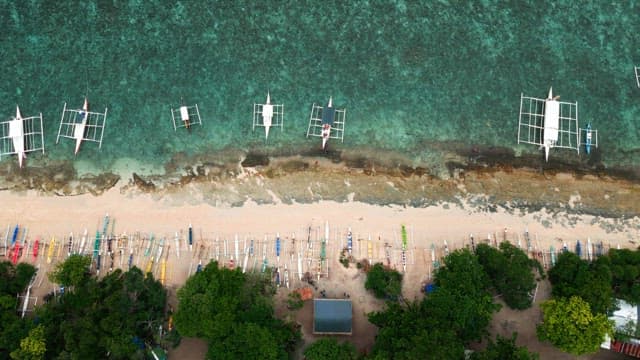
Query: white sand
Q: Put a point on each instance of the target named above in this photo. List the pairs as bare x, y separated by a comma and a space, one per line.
49, 216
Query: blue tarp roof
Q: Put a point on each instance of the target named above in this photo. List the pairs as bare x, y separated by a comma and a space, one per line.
328, 115
332, 316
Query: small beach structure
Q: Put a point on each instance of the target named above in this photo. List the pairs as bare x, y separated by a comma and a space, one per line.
548, 123
268, 115
332, 316
20, 136
185, 116
82, 124
327, 123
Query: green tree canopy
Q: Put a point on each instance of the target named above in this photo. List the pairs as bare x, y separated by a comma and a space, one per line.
32, 347
113, 315
72, 272
462, 299
625, 268
504, 348
230, 309
439, 326
329, 348
13, 280
572, 276
570, 325
406, 331
510, 272
385, 283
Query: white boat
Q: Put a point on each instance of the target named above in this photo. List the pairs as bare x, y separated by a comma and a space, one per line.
79, 128
327, 122
267, 116
551, 123
16, 132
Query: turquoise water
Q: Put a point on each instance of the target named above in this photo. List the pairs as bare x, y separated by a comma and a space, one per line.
413, 76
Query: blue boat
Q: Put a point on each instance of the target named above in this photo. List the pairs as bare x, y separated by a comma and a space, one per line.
15, 235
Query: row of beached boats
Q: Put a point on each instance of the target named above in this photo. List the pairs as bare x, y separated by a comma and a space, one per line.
21, 135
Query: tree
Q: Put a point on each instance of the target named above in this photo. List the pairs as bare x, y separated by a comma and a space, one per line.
504, 348
112, 315
572, 276
510, 271
462, 300
406, 331
246, 341
385, 283
329, 348
72, 272
569, 324
13, 280
32, 347
228, 309
439, 326
625, 268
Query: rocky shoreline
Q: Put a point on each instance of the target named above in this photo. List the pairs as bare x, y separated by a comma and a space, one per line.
483, 178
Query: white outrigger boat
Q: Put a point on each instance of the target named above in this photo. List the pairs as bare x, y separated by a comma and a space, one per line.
268, 115
548, 123
187, 116
20, 135
82, 124
327, 123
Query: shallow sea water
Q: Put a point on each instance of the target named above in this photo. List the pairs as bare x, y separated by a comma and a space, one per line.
414, 77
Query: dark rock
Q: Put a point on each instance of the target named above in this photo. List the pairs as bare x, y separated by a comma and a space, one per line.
146, 186
255, 159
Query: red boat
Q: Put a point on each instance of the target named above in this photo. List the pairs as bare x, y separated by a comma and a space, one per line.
16, 252
35, 249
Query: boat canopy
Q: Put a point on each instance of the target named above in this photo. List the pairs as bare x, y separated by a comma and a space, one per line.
333, 117
185, 116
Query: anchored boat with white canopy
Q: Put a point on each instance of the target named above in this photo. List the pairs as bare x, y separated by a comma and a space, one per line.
186, 116
548, 123
82, 124
327, 123
20, 136
268, 115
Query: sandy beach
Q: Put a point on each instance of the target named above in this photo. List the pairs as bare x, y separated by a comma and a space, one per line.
376, 229
247, 236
